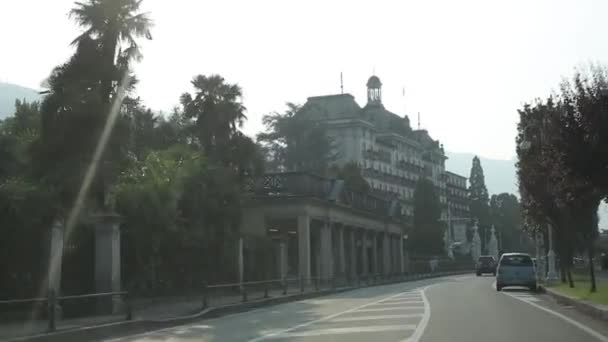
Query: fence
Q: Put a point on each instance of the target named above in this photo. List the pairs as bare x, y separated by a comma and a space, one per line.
54, 302
218, 295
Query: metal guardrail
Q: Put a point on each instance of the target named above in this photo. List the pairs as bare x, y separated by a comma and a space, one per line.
53, 301
246, 289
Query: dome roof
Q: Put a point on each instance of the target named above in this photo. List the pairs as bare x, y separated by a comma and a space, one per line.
374, 82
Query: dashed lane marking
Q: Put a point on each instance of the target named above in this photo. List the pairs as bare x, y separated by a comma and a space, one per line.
392, 309
352, 330
369, 318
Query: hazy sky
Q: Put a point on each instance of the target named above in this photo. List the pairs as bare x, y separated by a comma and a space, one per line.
466, 65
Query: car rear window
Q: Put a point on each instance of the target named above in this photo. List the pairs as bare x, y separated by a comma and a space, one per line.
516, 260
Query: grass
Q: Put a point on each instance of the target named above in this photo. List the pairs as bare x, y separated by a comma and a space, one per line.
581, 289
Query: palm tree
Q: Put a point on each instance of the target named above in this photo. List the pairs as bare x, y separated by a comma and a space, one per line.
217, 111
115, 25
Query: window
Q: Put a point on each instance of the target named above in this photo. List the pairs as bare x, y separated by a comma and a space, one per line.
518, 260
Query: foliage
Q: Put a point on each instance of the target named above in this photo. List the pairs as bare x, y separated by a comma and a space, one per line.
293, 142
427, 233
479, 198
561, 149
505, 215
351, 174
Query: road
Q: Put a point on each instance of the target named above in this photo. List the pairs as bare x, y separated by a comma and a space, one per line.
457, 308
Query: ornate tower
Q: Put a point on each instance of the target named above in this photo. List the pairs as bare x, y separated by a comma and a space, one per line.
374, 90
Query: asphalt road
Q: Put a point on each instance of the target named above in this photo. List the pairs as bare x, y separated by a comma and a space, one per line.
451, 309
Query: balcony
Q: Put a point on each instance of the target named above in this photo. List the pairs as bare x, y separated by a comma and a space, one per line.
300, 184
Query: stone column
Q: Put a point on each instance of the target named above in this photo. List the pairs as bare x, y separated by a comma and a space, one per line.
107, 257
353, 253
386, 254
395, 253
326, 252
341, 254
240, 260
284, 257
364, 257
374, 239
55, 261
304, 247
401, 255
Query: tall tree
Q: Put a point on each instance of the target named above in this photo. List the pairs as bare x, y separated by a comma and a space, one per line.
111, 30
427, 233
505, 215
479, 198
115, 26
217, 112
294, 142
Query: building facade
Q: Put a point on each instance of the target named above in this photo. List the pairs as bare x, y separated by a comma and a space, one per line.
391, 155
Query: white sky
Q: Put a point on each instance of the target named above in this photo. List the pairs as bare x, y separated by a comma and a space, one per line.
466, 65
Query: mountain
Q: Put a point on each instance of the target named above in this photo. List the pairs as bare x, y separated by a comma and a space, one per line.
500, 174
9, 93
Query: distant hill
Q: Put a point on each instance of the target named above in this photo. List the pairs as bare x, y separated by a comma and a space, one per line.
500, 174
9, 93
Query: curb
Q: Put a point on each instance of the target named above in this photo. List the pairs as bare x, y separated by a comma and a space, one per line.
596, 310
117, 329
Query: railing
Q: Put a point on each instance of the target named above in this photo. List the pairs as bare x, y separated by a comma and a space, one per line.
53, 302
222, 295
233, 293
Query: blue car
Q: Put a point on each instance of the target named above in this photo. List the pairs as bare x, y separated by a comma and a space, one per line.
515, 269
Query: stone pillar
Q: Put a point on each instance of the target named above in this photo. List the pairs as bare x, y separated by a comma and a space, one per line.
353, 253
386, 254
284, 258
55, 261
364, 257
341, 255
240, 261
326, 252
401, 255
304, 247
395, 253
107, 257
374, 239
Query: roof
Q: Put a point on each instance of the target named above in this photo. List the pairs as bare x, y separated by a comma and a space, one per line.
331, 107
455, 174
374, 82
385, 120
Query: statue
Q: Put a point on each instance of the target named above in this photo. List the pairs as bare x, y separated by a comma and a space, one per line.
476, 243
493, 244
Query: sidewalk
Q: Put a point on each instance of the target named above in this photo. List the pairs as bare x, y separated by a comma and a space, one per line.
595, 304
149, 309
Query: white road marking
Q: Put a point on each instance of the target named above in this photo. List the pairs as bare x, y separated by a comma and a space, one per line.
326, 318
583, 327
403, 297
392, 309
401, 302
366, 318
426, 316
351, 330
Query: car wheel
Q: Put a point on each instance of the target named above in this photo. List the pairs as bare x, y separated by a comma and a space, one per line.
478, 274
498, 287
534, 288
